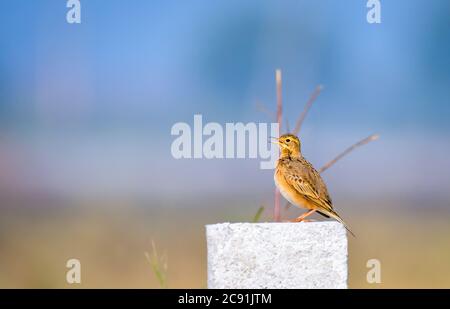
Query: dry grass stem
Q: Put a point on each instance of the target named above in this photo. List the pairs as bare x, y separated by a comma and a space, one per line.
159, 265
367, 140
308, 105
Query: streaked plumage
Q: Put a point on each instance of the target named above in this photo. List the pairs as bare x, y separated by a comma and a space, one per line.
300, 183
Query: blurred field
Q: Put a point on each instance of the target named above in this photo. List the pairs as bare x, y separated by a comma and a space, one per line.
87, 113
110, 240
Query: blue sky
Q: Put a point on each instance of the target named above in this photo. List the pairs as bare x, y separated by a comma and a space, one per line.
91, 105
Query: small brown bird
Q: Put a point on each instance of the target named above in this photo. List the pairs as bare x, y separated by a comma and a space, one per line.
300, 183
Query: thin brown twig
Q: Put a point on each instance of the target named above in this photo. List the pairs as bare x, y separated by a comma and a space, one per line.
277, 210
287, 206
263, 109
367, 140
308, 105
279, 97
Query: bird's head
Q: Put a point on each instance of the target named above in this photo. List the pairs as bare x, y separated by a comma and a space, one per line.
289, 144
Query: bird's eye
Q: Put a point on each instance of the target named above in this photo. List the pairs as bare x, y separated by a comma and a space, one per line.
288, 140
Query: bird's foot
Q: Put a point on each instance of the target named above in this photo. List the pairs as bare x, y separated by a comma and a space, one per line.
302, 218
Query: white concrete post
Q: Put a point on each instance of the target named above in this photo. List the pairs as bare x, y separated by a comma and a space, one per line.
277, 255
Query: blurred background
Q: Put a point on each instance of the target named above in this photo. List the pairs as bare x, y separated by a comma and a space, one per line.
86, 111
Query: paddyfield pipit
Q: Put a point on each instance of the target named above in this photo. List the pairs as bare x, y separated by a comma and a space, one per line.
300, 183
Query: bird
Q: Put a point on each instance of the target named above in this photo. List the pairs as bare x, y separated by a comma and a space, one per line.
300, 183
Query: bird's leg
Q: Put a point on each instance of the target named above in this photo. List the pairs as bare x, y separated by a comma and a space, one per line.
303, 216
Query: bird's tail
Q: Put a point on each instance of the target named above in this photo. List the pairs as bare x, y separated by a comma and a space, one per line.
335, 215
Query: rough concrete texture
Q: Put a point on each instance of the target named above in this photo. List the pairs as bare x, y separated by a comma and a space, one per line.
277, 255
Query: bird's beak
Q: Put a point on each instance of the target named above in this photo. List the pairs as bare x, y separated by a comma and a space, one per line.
275, 140
277, 143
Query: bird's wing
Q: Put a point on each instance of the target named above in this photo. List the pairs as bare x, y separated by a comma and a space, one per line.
303, 185
307, 182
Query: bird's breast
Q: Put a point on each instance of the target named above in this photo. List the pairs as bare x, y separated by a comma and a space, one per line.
287, 191
283, 187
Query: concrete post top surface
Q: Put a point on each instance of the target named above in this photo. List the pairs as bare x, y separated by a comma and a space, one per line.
277, 255
321, 227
